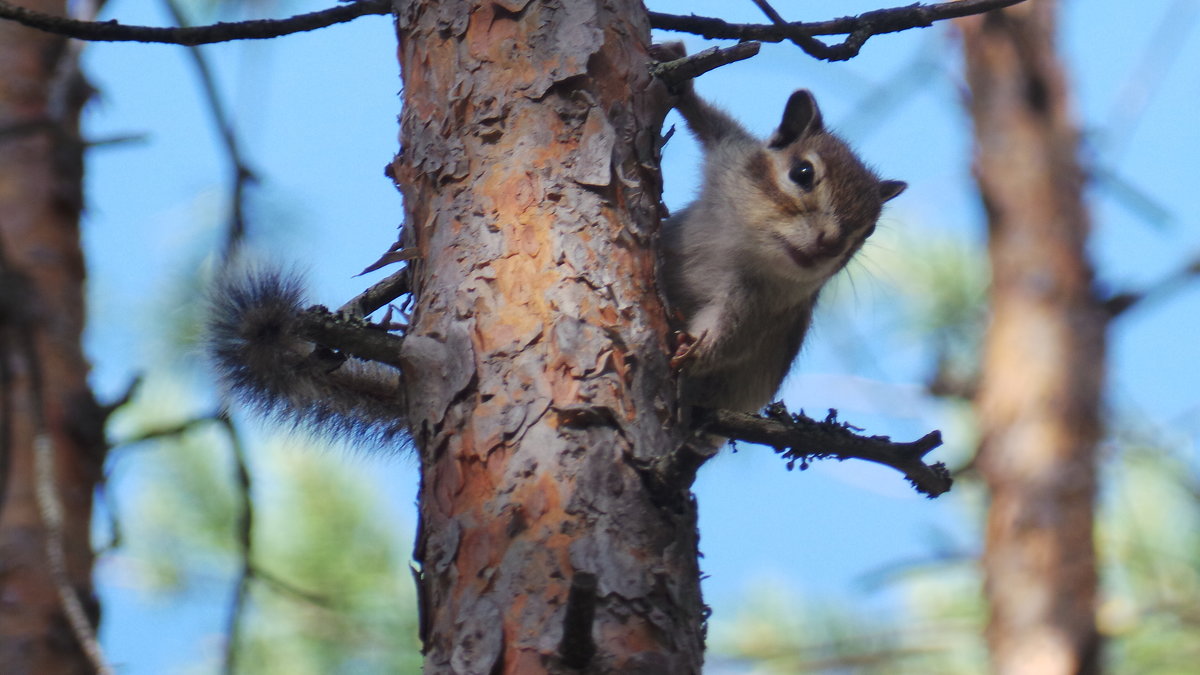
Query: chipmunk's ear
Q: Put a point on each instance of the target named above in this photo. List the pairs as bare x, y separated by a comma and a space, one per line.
889, 189
801, 117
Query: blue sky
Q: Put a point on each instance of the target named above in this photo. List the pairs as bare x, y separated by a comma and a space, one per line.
317, 115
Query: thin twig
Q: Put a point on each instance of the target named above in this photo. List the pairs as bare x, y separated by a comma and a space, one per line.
112, 31
1142, 83
245, 549
167, 432
809, 44
879, 102
767, 9
1125, 192
689, 67
378, 295
801, 439
857, 29
289, 589
1120, 303
241, 173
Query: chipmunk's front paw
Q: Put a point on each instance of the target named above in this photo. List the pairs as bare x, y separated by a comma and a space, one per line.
685, 348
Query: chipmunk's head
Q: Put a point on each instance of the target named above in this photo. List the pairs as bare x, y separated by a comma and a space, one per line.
817, 202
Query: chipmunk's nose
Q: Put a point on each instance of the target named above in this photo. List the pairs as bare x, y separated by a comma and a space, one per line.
828, 244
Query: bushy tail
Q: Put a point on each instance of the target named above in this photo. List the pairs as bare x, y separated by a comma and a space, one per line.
254, 341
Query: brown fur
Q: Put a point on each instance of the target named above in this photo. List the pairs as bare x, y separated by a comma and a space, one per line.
744, 263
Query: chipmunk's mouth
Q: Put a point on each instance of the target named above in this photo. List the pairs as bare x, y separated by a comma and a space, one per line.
799, 257
814, 255
802, 258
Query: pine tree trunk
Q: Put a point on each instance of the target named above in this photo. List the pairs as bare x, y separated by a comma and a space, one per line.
537, 372
1044, 355
43, 373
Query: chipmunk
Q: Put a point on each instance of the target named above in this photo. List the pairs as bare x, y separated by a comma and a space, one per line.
253, 339
744, 263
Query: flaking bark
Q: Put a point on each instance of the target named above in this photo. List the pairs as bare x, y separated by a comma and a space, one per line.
43, 373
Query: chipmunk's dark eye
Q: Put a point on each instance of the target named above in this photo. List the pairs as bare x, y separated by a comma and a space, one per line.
804, 175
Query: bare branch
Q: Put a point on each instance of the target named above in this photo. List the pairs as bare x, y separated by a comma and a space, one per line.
800, 438
1119, 303
775, 17
289, 589
112, 31
167, 431
351, 336
378, 295
679, 70
810, 45
857, 29
240, 172
245, 549
1127, 193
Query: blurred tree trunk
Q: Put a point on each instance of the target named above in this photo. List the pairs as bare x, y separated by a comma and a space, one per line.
1044, 354
43, 373
538, 383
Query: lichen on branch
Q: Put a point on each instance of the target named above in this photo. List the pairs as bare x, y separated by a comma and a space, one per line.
799, 438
